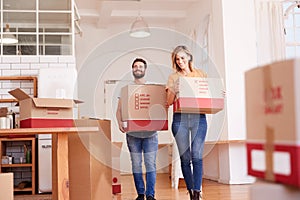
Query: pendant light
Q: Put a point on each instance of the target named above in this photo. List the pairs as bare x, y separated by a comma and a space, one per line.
139, 28
7, 37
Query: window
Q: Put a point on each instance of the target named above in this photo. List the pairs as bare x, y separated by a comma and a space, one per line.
291, 11
41, 27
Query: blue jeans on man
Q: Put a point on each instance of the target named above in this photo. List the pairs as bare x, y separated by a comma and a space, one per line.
147, 146
190, 131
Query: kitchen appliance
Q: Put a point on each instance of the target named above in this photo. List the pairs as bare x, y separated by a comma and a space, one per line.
52, 83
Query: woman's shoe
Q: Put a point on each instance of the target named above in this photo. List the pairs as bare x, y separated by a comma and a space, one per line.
197, 195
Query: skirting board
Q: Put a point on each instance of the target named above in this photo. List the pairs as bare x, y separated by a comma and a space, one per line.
249, 180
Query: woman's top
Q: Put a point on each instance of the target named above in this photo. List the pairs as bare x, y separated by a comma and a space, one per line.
173, 78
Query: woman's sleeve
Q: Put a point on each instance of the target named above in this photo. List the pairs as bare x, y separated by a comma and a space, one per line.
170, 84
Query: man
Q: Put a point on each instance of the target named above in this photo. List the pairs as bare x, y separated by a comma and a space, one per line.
141, 143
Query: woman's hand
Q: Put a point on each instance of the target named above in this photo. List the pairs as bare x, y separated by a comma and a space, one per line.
170, 97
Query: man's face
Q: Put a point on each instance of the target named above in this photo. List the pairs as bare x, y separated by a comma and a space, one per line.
138, 70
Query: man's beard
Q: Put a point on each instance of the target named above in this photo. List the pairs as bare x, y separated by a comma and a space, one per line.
138, 76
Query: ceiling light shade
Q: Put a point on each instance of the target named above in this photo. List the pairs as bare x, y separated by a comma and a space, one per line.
139, 28
7, 37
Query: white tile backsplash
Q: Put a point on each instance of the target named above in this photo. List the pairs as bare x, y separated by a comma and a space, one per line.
4, 66
58, 65
11, 72
20, 66
49, 59
11, 59
71, 65
4, 90
26, 84
11, 84
38, 65
30, 59
66, 59
28, 66
30, 72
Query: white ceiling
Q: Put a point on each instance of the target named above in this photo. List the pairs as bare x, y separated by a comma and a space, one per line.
107, 12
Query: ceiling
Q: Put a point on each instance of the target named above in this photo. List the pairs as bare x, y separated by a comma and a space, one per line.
107, 12
103, 13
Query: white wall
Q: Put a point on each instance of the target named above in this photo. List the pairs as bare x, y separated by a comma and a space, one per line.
235, 50
107, 55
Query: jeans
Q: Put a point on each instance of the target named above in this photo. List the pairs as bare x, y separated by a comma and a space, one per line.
190, 131
137, 148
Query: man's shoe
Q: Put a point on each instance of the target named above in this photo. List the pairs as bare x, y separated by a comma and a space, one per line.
191, 194
150, 198
140, 197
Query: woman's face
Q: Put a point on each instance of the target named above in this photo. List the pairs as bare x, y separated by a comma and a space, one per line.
182, 60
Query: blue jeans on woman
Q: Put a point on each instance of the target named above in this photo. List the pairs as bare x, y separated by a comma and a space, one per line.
190, 131
148, 147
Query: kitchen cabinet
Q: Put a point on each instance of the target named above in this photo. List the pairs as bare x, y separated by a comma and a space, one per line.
24, 173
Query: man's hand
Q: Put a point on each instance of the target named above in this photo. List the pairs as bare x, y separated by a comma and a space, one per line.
121, 128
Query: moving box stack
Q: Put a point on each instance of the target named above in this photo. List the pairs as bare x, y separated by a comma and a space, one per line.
273, 129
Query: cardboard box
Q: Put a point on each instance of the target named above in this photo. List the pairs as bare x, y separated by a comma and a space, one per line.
3, 112
144, 107
90, 161
273, 122
6, 185
44, 112
199, 95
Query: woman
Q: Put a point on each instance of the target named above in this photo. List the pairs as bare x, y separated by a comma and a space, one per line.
189, 129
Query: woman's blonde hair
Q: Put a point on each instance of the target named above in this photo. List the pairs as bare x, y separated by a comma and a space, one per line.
185, 50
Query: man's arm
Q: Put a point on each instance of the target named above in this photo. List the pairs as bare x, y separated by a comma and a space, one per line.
119, 116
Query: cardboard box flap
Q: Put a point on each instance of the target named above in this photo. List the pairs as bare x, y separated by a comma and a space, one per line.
53, 103
77, 101
19, 94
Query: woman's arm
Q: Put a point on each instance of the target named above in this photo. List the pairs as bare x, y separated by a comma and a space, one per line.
170, 97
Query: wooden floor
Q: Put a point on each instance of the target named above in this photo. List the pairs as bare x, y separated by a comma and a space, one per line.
211, 191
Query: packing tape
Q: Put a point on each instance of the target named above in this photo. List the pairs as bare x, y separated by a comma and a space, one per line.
269, 144
269, 149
